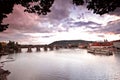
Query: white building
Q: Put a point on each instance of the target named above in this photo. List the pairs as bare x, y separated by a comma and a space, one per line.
116, 44
101, 48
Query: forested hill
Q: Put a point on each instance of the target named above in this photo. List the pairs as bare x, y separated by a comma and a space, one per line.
72, 42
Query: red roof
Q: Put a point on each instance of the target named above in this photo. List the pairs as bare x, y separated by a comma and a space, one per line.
116, 41
101, 44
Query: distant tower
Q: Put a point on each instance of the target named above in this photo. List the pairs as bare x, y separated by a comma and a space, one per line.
105, 40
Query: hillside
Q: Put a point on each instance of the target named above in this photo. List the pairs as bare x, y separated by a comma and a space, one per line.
71, 42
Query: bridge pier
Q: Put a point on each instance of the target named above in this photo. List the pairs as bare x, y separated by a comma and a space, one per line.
38, 49
56, 47
19, 50
45, 48
51, 48
29, 49
66, 47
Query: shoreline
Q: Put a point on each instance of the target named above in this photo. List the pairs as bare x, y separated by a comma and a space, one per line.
3, 74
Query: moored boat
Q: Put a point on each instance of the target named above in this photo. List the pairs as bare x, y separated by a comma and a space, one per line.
105, 48
100, 51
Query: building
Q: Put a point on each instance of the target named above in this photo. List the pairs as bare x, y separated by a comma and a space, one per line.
96, 45
105, 48
116, 44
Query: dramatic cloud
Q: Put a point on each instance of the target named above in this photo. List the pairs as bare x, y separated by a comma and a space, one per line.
23, 22
60, 11
112, 27
64, 22
85, 23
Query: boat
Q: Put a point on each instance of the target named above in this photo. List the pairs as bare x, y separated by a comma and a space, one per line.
105, 48
90, 51
103, 51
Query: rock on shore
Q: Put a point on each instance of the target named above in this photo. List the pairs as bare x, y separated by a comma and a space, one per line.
4, 74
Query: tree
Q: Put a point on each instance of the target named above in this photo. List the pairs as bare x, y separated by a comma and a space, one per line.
43, 7
6, 7
0, 47
103, 6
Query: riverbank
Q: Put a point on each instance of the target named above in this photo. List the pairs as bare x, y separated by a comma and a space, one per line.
3, 74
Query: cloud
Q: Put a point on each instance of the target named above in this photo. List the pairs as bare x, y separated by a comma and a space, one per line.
81, 23
19, 20
102, 36
24, 22
46, 36
30, 23
111, 27
18, 37
60, 12
60, 18
63, 19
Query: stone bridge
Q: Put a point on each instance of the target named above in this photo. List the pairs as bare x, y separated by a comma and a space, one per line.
38, 47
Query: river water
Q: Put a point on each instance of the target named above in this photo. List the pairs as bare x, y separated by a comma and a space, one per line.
63, 64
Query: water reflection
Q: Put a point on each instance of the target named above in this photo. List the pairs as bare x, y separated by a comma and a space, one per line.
64, 64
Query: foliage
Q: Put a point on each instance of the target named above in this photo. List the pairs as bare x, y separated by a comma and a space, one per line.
78, 2
11, 45
103, 6
0, 47
43, 7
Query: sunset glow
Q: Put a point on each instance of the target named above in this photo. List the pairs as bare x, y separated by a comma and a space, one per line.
62, 23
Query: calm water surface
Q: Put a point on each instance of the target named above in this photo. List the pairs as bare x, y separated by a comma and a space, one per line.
63, 64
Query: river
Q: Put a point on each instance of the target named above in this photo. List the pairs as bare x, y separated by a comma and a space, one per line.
62, 64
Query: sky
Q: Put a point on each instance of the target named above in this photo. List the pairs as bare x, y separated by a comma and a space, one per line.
65, 22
